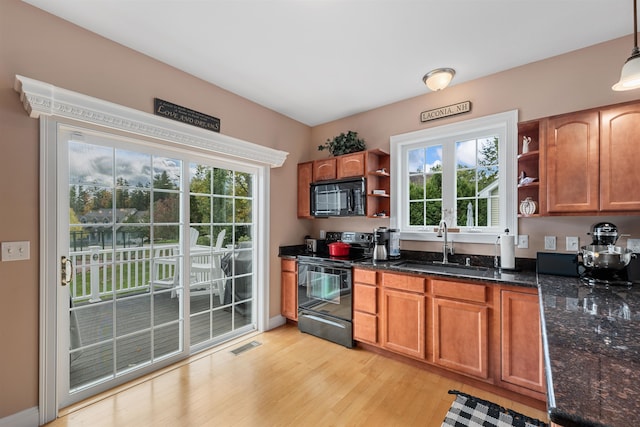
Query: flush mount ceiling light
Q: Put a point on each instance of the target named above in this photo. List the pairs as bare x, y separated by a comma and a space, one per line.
439, 78
630, 75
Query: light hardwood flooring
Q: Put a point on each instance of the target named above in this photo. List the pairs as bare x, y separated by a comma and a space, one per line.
291, 379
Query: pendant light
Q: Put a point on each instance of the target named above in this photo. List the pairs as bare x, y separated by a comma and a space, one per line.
630, 75
439, 78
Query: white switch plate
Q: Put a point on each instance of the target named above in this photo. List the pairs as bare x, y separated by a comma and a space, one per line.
572, 243
15, 251
633, 245
550, 243
523, 241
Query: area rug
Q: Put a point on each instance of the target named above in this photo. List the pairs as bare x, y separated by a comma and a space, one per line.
469, 411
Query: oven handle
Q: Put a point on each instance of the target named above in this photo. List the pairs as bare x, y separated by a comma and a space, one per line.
320, 319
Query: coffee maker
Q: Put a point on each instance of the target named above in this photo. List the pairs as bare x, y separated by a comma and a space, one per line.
381, 243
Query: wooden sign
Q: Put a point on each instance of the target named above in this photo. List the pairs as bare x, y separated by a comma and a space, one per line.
449, 110
185, 115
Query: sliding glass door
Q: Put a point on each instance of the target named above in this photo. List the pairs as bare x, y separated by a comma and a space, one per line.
157, 249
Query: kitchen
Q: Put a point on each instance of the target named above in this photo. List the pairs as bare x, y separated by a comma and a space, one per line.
532, 89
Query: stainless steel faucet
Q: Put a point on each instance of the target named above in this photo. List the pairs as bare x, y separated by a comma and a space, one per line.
445, 245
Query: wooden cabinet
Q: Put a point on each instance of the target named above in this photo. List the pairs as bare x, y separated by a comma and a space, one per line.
461, 327
572, 163
521, 341
305, 177
378, 184
325, 169
289, 289
365, 306
529, 162
351, 165
619, 168
589, 160
403, 315
372, 164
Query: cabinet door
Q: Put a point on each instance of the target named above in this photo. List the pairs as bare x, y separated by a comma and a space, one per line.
305, 177
403, 322
572, 164
521, 342
619, 167
324, 169
461, 336
351, 165
289, 290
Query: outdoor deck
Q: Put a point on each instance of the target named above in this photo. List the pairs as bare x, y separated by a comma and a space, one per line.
134, 335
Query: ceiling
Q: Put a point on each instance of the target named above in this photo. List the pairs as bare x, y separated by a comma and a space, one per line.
320, 60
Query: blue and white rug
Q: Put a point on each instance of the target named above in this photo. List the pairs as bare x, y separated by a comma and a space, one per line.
469, 411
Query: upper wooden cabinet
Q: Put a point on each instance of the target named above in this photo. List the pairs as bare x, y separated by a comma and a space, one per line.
588, 161
372, 164
571, 162
529, 162
324, 169
351, 165
305, 177
619, 169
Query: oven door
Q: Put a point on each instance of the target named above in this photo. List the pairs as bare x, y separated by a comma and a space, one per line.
325, 289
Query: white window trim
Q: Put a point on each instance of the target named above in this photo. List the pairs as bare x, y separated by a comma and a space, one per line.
45, 100
507, 125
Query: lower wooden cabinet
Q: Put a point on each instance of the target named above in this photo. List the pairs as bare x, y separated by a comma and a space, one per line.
487, 332
461, 337
521, 340
403, 322
365, 306
289, 289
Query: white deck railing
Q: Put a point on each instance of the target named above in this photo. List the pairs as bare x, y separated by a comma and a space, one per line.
98, 270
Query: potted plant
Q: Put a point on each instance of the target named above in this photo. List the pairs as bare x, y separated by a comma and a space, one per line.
343, 144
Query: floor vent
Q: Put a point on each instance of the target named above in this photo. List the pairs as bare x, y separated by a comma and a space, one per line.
245, 347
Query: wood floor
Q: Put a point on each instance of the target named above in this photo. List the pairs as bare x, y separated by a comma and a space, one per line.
291, 379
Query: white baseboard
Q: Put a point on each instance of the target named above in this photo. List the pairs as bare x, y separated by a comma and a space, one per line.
274, 322
27, 418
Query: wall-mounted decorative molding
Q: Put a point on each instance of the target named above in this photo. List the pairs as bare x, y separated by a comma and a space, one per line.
41, 98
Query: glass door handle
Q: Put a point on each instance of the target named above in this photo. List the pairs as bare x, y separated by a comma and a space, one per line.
66, 271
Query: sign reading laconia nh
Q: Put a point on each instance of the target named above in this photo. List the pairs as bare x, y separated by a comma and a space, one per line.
449, 110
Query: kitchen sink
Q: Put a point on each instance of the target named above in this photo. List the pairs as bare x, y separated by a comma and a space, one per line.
449, 268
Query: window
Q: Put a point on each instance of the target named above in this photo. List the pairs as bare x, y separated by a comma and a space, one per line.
463, 173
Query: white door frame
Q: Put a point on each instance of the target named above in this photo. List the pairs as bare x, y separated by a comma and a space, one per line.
42, 100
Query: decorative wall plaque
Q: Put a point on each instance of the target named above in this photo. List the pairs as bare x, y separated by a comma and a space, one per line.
449, 110
185, 115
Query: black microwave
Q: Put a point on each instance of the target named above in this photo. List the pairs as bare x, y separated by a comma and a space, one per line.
344, 197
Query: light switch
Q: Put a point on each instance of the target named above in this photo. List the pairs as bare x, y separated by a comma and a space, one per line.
550, 243
523, 241
572, 243
15, 251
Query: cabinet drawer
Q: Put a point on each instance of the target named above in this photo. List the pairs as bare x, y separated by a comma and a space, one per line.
364, 276
288, 265
365, 327
461, 291
403, 282
364, 298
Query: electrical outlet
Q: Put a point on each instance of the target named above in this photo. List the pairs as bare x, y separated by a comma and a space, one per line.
633, 245
523, 241
572, 243
550, 243
15, 251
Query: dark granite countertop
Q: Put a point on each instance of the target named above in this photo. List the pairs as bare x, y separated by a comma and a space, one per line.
592, 352
518, 278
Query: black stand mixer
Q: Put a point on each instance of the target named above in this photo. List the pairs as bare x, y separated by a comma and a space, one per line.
602, 261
